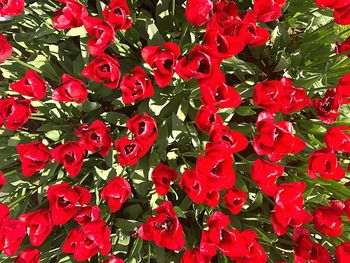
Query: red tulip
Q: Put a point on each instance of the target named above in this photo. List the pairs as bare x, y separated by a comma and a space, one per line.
88, 240
2, 179
162, 176
342, 15
32, 86
347, 208
234, 199
219, 94
86, 214
28, 255
289, 209
220, 45
306, 250
275, 139
116, 192
325, 163
164, 228
226, 15
265, 175
71, 154
102, 35
14, 113
198, 11
162, 59
338, 138
216, 167
95, 138
194, 185
252, 34
327, 219
129, 151
200, 65
12, 232
11, 8
71, 90
65, 201
39, 224
207, 117
293, 98
344, 47
343, 88
217, 230
144, 128
117, 13
328, 107
33, 156
136, 86
70, 16
103, 69
239, 246
193, 256
4, 212
212, 198
343, 252
5, 47
333, 4
221, 136
268, 95
280, 96
268, 10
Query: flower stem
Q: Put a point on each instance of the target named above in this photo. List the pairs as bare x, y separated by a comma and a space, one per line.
26, 65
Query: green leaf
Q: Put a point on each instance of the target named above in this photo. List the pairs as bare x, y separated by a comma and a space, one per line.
136, 247
244, 111
116, 118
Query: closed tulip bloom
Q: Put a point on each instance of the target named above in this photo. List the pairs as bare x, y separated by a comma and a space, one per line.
33, 156
71, 90
5, 48
116, 192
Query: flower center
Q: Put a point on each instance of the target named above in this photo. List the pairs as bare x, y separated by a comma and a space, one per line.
105, 68
129, 148
118, 11
212, 118
222, 47
70, 157
62, 202
203, 66
142, 126
168, 64
166, 225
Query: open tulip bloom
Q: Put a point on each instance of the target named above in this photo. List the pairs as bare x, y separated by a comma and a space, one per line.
185, 131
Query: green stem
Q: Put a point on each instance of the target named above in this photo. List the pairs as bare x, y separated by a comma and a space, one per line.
184, 31
173, 2
18, 200
149, 245
37, 118
183, 159
123, 171
82, 179
26, 65
344, 32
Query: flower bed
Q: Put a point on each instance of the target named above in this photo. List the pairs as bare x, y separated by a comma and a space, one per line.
174, 131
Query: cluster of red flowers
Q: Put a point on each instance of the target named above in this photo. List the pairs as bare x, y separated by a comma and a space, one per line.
226, 35
66, 202
228, 32
341, 10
